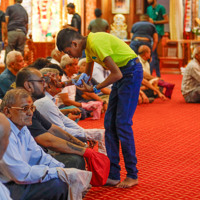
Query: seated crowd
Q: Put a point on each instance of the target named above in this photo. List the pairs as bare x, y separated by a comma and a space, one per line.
41, 115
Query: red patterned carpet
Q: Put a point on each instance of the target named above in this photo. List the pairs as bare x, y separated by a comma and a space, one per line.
167, 136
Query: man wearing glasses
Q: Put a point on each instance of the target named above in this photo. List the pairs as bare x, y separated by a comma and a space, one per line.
26, 170
15, 62
46, 134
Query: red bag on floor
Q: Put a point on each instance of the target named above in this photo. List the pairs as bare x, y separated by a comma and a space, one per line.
99, 165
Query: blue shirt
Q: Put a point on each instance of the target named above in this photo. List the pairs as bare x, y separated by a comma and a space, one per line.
4, 192
6, 79
24, 162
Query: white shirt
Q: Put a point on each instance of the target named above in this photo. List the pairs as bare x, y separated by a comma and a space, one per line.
191, 77
51, 112
145, 65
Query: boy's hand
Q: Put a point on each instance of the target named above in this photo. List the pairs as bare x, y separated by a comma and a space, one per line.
86, 87
83, 76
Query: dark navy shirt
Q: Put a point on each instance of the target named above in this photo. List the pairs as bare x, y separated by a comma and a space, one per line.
6, 79
143, 29
18, 17
76, 22
39, 125
2, 19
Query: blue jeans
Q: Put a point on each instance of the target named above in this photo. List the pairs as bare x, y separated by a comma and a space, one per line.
118, 120
55, 189
155, 63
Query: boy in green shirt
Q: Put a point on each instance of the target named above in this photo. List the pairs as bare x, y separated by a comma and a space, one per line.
126, 76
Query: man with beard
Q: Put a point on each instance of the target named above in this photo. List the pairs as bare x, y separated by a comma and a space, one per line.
158, 17
46, 134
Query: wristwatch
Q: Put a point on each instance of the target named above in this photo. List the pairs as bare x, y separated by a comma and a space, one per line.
96, 91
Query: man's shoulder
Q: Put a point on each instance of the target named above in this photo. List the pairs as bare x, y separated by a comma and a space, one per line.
2, 14
7, 76
149, 8
77, 16
42, 102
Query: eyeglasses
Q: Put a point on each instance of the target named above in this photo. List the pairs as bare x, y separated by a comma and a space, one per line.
25, 108
41, 80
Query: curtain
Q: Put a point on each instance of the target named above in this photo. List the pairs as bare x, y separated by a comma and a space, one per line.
176, 21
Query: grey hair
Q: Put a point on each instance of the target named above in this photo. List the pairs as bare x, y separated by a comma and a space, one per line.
47, 70
54, 53
11, 57
81, 61
66, 60
12, 96
196, 51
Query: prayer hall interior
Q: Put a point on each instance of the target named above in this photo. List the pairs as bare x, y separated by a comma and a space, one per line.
47, 17
166, 132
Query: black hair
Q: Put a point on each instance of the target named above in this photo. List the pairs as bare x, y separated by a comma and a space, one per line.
97, 12
71, 5
40, 63
23, 75
65, 38
55, 66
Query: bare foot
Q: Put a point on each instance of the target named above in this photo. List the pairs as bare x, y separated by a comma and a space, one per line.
127, 182
112, 182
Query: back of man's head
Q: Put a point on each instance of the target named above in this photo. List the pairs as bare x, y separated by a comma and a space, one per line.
143, 49
4, 134
71, 5
65, 38
97, 12
40, 63
11, 57
24, 75
144, 17
18, 1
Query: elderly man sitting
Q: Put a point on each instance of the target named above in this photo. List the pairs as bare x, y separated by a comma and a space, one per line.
190, 87
50, 111
26, 169
15, 62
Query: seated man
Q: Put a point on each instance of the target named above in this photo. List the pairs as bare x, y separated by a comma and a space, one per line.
145, 55
4, 139
56, 56
51, 112
26, 169
69, 149
68, 94
105, 92
71, 112
14, 62
190, 87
